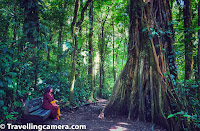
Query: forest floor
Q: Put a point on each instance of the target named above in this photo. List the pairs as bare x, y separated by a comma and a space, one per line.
88, 115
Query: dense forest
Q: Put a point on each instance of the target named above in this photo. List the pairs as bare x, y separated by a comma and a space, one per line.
141, 55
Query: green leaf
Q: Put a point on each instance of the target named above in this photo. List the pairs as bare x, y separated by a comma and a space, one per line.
153, 33
188, 116
9, 116
178, 113
45, 43
14, 113
1, 103
144, 29
5, 108
171, 115
169, 32
2, 93
80, 43
68, 44
1, 84
4, 59
10, 51
9, 81
5, 50
181, 112
12, 73
9, 57
1, 121
161, 32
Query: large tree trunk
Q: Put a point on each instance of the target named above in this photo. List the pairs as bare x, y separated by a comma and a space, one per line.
188, 42
142, 91
90, 69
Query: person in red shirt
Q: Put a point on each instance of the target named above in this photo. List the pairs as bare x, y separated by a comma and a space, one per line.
49, 103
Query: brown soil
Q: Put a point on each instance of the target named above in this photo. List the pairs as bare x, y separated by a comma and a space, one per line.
88, 115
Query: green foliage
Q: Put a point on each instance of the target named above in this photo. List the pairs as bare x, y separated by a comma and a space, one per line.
188, 90
21, 58
82, 90
193, 119
189, 95
7, 79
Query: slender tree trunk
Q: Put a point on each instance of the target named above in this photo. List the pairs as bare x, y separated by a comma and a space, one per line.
15, 26
90, 69
142, 91
198, 53
188, 42
101, 63
48, 53
124, 44
79, 34
102, 58
59, 51
114, 74
75, 43
74, 46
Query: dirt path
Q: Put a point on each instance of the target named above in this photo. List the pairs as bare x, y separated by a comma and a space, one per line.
88, 115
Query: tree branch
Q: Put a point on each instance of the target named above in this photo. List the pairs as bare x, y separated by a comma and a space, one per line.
82, 13
77, 5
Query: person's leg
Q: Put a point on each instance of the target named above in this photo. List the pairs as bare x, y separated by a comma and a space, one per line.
58, 114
